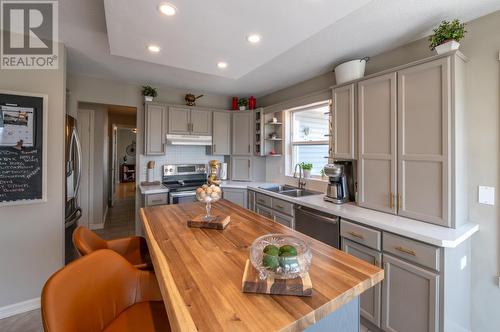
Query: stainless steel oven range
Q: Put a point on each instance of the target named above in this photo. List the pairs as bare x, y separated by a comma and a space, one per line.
182, 181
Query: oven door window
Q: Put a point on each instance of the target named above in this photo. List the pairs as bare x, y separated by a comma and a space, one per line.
182, 197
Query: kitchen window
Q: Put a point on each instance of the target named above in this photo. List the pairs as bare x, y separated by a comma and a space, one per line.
309, 129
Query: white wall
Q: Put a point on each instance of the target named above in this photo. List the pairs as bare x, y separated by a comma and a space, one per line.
482, 46
32, 236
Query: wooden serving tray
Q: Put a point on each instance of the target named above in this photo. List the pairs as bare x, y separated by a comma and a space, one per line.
251, 283
220, 223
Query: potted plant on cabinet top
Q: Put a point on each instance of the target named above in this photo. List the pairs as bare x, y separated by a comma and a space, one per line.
242, 104
149, 92
447, 36
306, 168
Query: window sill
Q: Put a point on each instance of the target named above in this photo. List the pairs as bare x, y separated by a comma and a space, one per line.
318, 179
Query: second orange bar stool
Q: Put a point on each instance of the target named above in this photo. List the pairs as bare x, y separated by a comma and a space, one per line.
134, 248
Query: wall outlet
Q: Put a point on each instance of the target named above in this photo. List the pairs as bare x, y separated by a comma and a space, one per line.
486, 195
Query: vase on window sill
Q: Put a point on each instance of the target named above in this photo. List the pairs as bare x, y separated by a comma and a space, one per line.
307, 173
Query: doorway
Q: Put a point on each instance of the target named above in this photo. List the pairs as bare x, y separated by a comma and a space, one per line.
123, 161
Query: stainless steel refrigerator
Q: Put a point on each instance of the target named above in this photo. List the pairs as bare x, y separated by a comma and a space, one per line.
73, 167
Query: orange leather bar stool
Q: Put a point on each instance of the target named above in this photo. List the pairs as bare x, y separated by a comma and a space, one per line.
134, 248
103, 292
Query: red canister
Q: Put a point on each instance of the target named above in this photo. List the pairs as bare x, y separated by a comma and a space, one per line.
252, 102
234, 104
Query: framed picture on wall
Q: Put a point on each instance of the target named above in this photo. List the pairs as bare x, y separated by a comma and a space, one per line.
23, 147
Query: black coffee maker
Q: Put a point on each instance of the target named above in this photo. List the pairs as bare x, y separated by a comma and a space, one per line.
340, 183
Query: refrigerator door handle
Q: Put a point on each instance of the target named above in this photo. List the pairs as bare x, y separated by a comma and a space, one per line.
79, 156
75, 216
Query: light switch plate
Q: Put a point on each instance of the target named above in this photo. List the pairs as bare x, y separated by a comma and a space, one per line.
486, 195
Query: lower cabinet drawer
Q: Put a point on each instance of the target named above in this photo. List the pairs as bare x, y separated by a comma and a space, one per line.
156, 199
282, 206
411, 250
284, 219
263, 211
360, 234
264, 200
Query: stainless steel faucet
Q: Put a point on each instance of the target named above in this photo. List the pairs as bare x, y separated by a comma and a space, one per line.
302, 181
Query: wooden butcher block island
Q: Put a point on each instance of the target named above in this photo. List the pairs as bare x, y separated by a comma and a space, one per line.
200, 275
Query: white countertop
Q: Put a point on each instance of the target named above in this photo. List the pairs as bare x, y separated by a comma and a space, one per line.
414, 229
154, 189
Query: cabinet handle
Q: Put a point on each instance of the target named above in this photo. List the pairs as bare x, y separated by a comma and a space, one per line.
261, 201
279, 207
391, 200
249, 149
214, 148
399, 201
406, 251
359, 236
248, 163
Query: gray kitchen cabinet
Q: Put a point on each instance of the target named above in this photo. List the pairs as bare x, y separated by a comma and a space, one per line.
221, 136
155, 126
242, 134
377, 135
251, 200
424, 110
186, 121
344, 125
155, 199
410, 300
263, 211
371, 300
411, 140
283, 219
201, 122
241, 168
178, 120
236, 195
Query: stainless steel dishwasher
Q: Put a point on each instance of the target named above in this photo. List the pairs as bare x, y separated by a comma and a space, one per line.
318, 225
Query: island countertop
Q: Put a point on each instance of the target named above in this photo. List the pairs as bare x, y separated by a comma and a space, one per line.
200, 273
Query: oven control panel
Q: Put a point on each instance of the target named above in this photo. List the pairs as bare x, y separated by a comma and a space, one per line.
184, 169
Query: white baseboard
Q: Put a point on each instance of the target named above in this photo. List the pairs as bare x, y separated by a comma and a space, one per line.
19, 308
96, 226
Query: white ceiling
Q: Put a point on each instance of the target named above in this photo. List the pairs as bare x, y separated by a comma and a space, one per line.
203, 33
301, 38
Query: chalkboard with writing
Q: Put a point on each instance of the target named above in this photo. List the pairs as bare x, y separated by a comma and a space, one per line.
21, 164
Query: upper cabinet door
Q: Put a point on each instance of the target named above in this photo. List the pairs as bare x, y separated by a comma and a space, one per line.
178, 120
241, 168
423, 142
221, 136
201, 122
242, 136
155, 129
377, 134
344, 122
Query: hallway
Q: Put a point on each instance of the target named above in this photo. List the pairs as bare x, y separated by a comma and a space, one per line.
120, 220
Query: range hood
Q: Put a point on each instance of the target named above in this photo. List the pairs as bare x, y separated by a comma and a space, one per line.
189, 140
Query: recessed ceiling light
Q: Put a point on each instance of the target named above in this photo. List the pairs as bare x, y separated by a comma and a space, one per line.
254, 39
167, 9
154, 48
222, 65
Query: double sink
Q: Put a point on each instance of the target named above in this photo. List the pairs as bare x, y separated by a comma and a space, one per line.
290, 191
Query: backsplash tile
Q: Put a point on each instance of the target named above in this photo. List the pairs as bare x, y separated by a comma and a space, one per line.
176, 154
